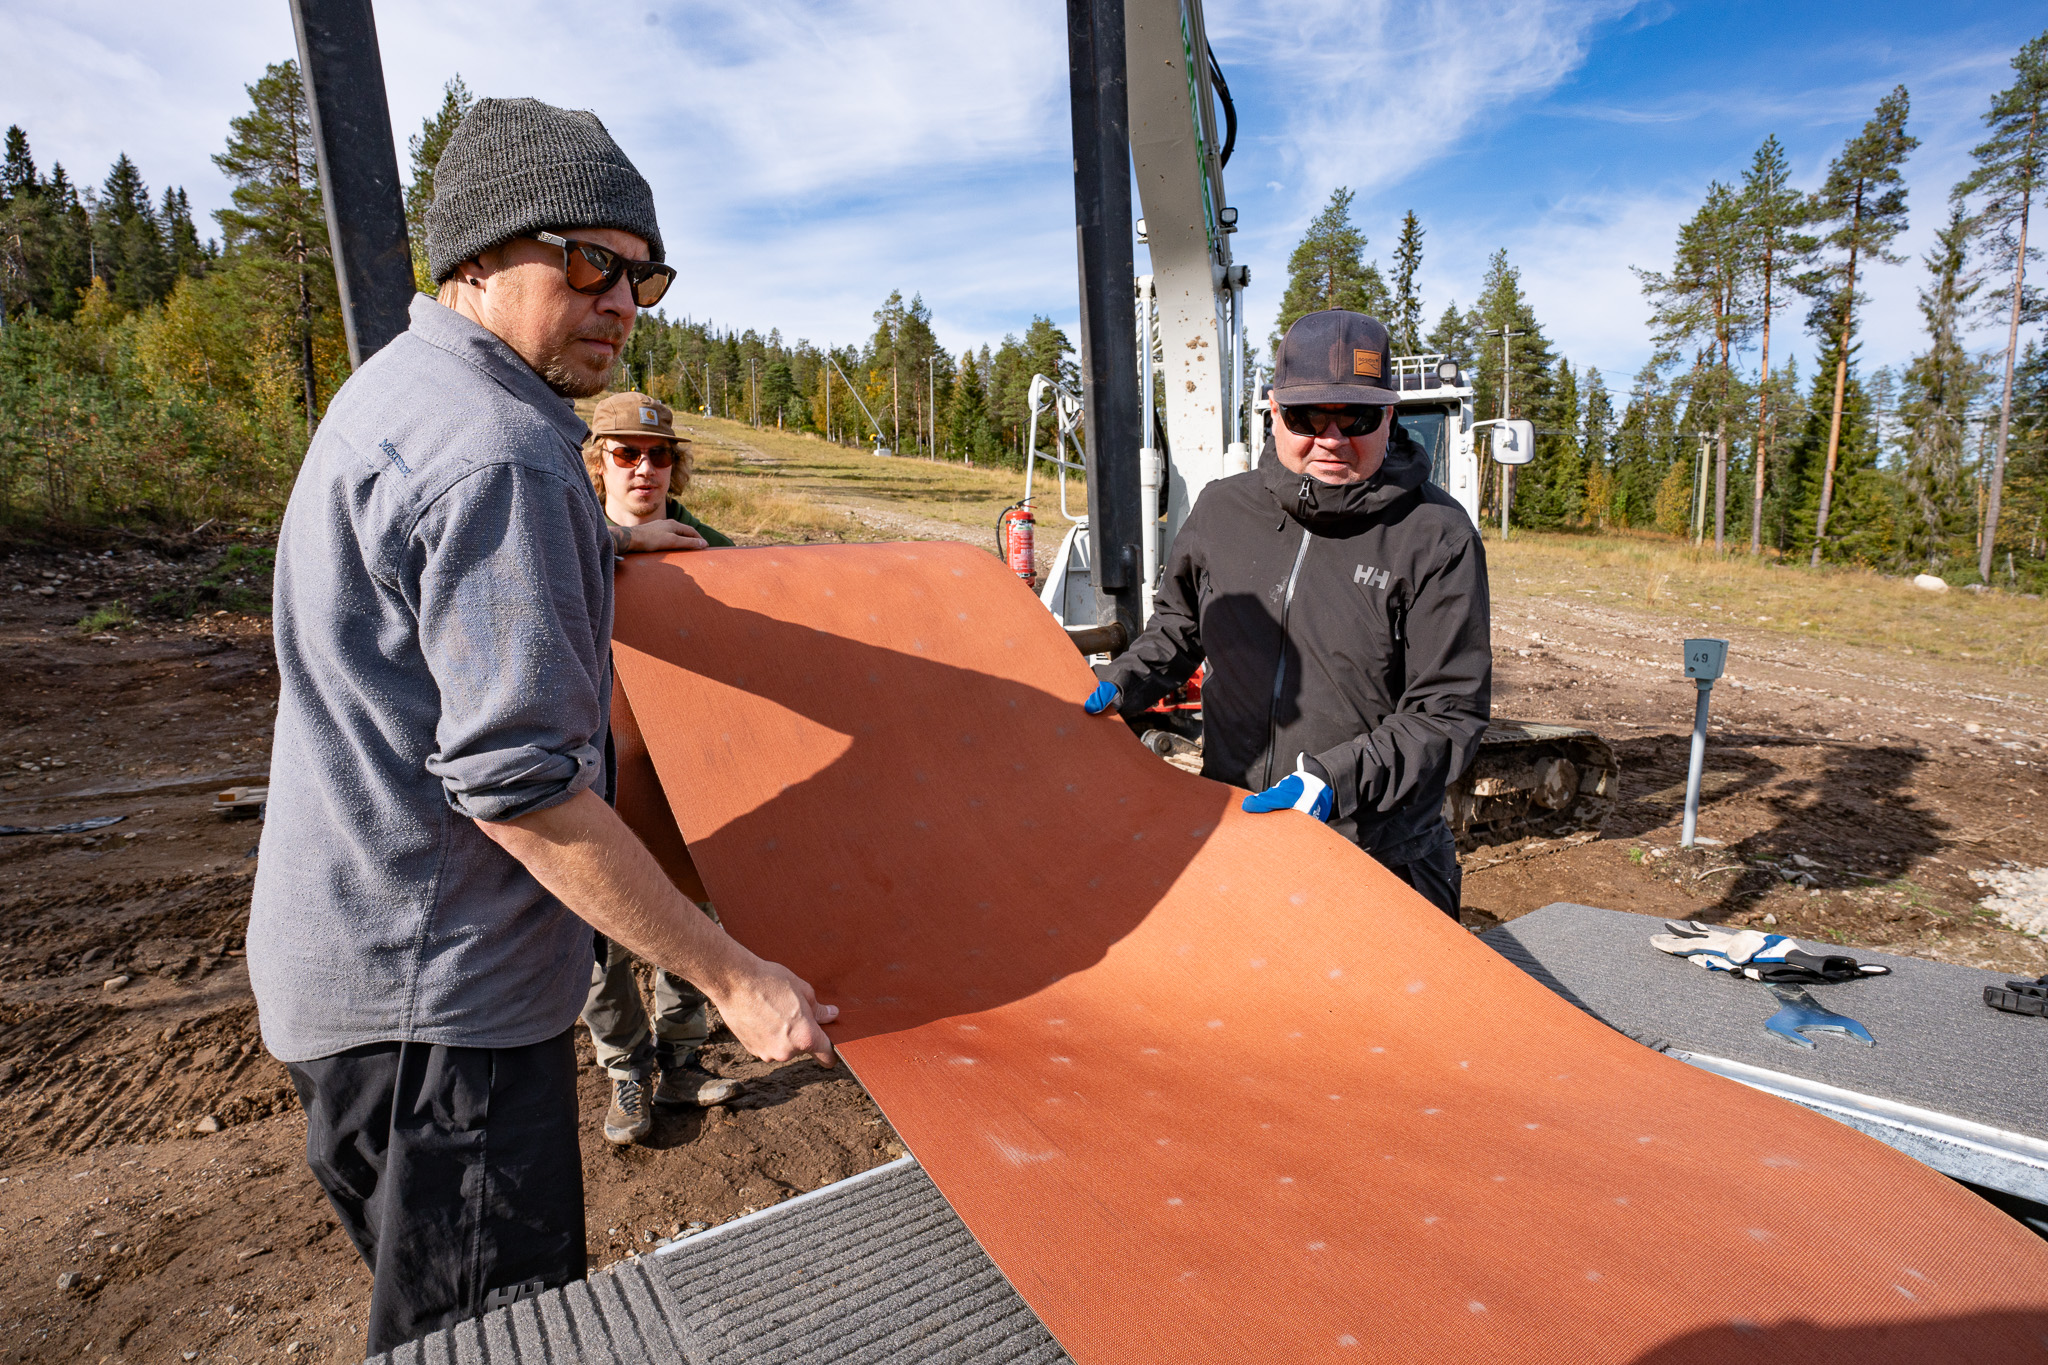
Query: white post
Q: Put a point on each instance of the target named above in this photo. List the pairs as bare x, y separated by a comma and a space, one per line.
1237, 457
1149, 463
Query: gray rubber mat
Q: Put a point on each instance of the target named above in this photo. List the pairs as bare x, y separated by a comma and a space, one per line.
1938, 1047
872, 1269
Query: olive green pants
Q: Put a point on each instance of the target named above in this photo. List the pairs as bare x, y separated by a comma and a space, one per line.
627, 1048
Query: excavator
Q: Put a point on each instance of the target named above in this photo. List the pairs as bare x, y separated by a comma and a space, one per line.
1166, 395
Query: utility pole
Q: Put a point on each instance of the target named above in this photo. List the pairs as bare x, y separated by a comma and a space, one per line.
931, 368
828, 404
896, 404
753, 391
1507, 375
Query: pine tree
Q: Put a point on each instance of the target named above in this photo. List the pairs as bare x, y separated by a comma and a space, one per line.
1406, 320
1940, 387
1702, 303
1864, 196
1772, 211
425, 148
2011, 164
1328, 269
277, 226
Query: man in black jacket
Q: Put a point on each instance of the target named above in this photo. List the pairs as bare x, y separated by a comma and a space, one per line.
1340, 600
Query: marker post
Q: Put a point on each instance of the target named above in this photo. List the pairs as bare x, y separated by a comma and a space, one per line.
1704, 660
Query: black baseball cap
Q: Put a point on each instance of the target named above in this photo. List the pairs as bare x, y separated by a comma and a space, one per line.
1334, 356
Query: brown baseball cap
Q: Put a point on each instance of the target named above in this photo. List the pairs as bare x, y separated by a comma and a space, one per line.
633, 414
1334, 356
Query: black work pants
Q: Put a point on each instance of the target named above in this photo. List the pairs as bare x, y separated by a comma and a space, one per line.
1436, 876
454, 1170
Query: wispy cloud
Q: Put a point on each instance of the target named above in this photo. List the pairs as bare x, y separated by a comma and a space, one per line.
809, 157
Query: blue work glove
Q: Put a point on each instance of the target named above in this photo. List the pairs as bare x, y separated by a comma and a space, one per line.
1101, 699
1300, 790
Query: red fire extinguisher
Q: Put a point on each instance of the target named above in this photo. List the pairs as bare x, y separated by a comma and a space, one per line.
1015, 541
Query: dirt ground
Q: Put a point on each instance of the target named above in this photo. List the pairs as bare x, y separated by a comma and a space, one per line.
149, 1146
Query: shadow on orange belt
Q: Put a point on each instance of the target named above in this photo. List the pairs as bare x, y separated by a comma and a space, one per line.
1213, 1086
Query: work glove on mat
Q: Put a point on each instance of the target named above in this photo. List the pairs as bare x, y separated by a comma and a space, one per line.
2020, 997
1759, 956
1300, 790
1101, 699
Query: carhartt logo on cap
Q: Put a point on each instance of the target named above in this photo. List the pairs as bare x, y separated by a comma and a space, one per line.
1366, 363
650, 418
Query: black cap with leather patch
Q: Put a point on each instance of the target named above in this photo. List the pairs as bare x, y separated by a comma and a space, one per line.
1334, 356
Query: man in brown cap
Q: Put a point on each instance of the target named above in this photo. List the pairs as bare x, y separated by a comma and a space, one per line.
1339, 598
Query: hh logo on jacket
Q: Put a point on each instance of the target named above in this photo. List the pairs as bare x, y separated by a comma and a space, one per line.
1370, 576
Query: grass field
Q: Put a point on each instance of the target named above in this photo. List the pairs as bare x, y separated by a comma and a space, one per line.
1841, 606
777, 485
771, 482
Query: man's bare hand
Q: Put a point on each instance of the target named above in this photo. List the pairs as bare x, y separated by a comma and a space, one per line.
775, 1014
663, 535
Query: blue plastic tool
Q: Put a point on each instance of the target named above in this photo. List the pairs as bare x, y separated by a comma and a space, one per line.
1802, 1012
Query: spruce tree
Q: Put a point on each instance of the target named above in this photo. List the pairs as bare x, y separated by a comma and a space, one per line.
18, 170
1772, 212
277, 227
1406, 322
424, 149
2011, 164
1595, 435
129, 239
1939, 388
187, 255
1328, 269
1864, 198
1452, 338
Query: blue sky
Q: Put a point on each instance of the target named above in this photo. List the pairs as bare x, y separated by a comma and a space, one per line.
808, 157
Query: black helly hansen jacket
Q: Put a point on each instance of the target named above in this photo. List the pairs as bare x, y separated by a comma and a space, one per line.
1349, 624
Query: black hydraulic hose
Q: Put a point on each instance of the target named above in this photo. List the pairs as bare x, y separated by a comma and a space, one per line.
1229, 109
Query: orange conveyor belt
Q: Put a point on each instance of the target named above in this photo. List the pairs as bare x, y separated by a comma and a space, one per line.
1211, 1086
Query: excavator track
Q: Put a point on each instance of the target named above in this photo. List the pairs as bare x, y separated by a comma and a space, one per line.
1532, 779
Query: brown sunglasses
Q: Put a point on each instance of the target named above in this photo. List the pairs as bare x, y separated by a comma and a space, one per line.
625, 457
594, 269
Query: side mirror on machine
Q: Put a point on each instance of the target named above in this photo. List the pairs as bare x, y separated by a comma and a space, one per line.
1514, 442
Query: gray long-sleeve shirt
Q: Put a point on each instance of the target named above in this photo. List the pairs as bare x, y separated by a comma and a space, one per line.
443, 633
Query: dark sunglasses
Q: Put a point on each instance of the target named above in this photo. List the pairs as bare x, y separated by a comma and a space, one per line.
625, 457
594, 269
1353, 419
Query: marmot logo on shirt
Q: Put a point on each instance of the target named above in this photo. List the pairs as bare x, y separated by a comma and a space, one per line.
1370, 576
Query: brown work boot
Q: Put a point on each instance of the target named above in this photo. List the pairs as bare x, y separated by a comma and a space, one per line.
686, 1086
630, 1118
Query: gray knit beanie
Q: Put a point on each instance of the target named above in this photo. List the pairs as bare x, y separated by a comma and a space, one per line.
519, 166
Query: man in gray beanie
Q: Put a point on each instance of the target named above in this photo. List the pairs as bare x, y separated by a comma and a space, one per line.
438, 845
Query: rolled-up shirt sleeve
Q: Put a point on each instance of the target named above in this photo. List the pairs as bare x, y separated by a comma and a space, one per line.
507, 631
